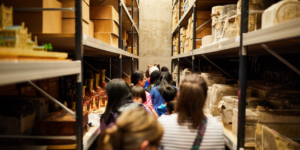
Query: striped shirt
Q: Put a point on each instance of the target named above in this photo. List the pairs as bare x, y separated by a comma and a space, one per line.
180, 137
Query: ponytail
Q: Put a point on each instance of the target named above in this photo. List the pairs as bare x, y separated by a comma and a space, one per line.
165, 79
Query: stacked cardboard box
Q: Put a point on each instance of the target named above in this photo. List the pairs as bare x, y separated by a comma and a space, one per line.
182, 40
68, 17
37, 22
175, 44
175, 17
106, 24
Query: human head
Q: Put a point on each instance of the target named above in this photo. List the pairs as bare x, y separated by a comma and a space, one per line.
149, 66
138, 94
164, 69
157, 65
138, 78
170, 107
153, 69
191, 100
154, 77
118, 92
130, 133
166, 76
169, 93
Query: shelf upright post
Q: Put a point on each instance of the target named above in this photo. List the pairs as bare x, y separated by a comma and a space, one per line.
137, 64
193, 64
179, 10
78, 57
171, 66
132, 61
120, 26
110, 71
120, 66
172, 46
178, 39
178, 73
243, 54
138, 45
132, 38
132, 26
194, 26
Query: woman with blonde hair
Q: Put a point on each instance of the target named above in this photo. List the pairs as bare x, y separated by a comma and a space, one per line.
135, 129
189, 121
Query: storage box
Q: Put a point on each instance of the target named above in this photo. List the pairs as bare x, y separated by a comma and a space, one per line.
104, 12
109, 26
11, 93
17, 117
269, 139
71, 14
37, 22
218, 92
7, 87
228, 103
40, 104
91, 29
212, 79
285, 122
108, 38
68, 26
28, 91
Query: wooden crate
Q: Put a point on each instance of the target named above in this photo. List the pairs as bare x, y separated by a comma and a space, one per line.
37, 21
108, 38
68, 26
104, 12
71, 15
106, 26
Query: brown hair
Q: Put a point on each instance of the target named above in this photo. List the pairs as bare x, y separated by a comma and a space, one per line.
132, 128
191, 100
139, 91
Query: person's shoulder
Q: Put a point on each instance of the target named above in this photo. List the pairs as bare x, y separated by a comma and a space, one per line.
167, 118
212, 121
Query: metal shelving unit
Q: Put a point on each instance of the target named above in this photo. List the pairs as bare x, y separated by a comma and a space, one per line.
80, 45
282, 38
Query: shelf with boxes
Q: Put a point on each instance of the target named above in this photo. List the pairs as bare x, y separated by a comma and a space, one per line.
99, 22
271, 30
186, 23
284, 35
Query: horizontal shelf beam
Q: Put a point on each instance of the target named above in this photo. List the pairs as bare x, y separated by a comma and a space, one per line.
15, 72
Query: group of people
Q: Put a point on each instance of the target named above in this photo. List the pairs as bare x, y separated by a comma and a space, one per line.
152, 113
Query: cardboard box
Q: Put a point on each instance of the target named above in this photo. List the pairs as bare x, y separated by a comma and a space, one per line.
37, 22
91, 28
203, 32
198, 45
28, 91
108, 38
71, 14
68, 26
109, 26
104, 12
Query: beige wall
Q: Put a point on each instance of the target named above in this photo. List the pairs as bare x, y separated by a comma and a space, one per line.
155, 33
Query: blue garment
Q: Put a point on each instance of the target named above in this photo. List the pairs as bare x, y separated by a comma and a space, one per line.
157, 99
162, 109
146, 84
